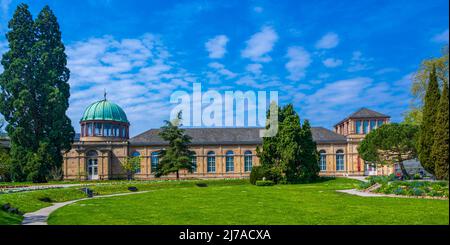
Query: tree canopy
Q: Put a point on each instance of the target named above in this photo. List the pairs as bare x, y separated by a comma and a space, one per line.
292, 151
177, 155
427, 128
389, 144
439, 150
420, 83
34, 95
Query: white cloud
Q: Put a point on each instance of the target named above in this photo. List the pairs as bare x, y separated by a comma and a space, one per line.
254, 68
358, 62
347, 95
137, 74
441, 37
332, 62
216, 46
260, 44
328, 41
220, 68
299, 60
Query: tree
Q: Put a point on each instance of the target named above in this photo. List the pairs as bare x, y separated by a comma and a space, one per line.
308, 154
177, 155
292, 151
420, 84
439, 151
34, 95
389, 144
427, 129
130, 165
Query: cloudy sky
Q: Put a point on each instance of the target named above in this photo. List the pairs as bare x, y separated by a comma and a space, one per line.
328, 58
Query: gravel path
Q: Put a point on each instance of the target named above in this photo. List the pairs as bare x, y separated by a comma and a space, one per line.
40, 216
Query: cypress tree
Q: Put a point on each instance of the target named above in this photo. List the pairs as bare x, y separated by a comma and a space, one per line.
34, 95
427, 130
309, 156
439, 152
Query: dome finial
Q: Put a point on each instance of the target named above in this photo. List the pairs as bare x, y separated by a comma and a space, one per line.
104, 94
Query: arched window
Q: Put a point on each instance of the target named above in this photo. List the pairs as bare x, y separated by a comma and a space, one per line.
137, 154
92, 164
194, 162
339, 160
323, 160
154, 160
211, 162
248, 161
229, 161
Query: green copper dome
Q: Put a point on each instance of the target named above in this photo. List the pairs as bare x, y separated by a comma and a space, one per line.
104, 110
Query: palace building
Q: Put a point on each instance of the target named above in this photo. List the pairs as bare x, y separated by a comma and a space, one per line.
104, 142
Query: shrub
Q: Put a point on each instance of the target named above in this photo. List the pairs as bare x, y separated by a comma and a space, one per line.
201, 184
257, 173
363, 185
265, 183
269, 173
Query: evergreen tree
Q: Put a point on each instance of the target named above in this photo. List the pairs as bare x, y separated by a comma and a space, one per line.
309, 155
439, 152
390, 144
177, 156
34, 95
427, 130
292, 151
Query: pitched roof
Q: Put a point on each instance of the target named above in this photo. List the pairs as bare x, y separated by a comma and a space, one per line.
323, 135
364, 113
231, 136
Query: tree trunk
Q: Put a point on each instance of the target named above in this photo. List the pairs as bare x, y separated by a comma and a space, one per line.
178, 175
402, 167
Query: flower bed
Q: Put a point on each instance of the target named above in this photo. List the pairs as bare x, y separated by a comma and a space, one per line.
415, 188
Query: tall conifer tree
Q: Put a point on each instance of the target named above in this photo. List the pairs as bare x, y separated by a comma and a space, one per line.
439, 152
34, 95
427, 130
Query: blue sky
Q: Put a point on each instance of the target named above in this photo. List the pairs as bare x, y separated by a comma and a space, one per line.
328, 58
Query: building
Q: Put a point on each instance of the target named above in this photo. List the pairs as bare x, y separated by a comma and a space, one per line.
104, 143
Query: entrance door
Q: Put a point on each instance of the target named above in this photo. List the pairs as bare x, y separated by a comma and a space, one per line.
92, 169
371, 169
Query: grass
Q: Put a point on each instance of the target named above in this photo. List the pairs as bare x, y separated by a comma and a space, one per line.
242, 203
29, 201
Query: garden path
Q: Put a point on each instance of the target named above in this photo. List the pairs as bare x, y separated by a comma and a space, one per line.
40, 216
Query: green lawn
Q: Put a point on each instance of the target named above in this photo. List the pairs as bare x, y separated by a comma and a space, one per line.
242, 203
29, 201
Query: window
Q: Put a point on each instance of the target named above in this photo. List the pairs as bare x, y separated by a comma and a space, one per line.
194, 162
323, 160
107, 129
115, 130
211, 162
373, 124
358, 127
92, 164
339, 160
365, 126
380, 122
248, 161
154, 161
89, 129
229, 161
137, 154
98, 129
